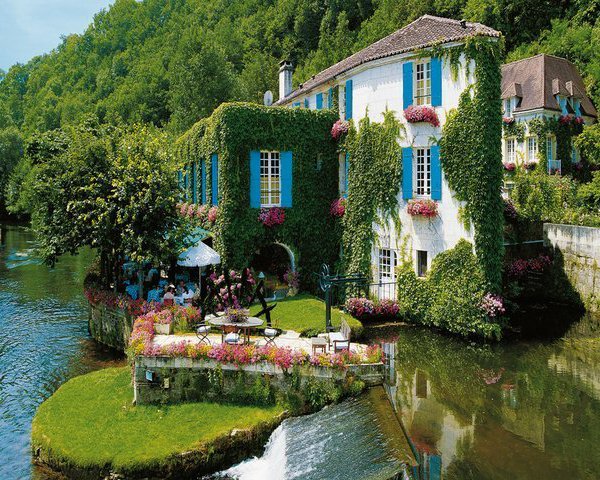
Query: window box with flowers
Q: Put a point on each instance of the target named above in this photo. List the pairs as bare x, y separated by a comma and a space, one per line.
422, 208
271, 217
421, 114
510, 167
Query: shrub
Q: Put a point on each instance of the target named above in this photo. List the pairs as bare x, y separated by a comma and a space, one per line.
451, 295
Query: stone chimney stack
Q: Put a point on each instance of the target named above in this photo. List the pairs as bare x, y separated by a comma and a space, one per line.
285, 78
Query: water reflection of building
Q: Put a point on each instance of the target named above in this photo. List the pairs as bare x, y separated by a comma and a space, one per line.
436, 432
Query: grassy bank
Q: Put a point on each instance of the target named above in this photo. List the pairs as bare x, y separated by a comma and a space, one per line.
306, 314
90, 423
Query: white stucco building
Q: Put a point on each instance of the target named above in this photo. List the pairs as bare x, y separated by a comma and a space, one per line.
393, 74
546, 87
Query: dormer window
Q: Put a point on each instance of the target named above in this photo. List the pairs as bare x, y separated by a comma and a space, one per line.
508, 107
423, 82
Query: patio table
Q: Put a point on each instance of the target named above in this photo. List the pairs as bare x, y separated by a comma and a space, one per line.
249, 324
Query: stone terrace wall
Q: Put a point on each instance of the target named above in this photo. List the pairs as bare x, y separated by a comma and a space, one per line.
177, 379
111, 327
578, 248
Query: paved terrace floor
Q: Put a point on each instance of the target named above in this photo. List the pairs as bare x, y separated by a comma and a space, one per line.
288, 338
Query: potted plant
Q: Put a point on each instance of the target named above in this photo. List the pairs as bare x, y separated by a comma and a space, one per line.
236, 314
421, 114
163, 322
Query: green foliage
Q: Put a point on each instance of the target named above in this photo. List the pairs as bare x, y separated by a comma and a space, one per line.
450, 295
109, 188
319, 393
588, 144
89, 419
588, 194
471, 155
11, 149
374, 179
514, 129
232, 132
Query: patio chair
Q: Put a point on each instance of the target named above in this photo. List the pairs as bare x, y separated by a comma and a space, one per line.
202, 331
231, 335
341, 339
270, 333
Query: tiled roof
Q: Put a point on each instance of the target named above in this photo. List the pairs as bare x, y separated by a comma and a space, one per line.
424, 32
539, 79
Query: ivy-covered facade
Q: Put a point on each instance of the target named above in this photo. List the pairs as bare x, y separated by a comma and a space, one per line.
271, 173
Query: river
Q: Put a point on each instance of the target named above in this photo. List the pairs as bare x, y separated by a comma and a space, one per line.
43, 340
524, 409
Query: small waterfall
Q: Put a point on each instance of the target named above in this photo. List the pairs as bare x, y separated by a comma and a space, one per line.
270, 466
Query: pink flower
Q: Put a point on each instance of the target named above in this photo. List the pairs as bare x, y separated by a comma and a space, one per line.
212, 214
421, 113
492, 305
509, 166
338, 207
270, 217
508, 120
339, 128
423, 208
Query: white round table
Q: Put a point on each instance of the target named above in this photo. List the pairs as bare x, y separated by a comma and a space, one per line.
249, 324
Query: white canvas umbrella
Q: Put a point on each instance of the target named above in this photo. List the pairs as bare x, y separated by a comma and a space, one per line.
200, 255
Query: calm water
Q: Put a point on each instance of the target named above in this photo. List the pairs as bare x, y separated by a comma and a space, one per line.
43, 340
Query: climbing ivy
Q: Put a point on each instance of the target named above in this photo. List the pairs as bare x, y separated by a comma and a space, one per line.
542, 127
514, 129
374, 178
470, 151
232, 131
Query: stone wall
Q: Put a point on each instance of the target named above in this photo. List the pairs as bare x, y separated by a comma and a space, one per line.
577, 250
111, 327
177, 379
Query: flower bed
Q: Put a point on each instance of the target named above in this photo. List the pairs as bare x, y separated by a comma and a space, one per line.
422, 208
141, 343
365, 309
270, 217
422, 113
339, 129
521, 266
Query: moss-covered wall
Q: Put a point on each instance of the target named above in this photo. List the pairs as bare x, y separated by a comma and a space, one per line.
111, 327
232, 132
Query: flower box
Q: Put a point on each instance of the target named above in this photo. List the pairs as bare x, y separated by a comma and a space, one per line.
422, 208
162, 328
421, 114
270, 217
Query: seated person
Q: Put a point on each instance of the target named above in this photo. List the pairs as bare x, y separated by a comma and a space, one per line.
154, 294
169, 296
181, 287
187, 295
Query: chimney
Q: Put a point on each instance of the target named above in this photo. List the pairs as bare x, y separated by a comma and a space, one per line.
285, 78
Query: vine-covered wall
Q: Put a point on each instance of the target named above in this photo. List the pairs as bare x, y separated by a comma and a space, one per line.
232, 132
471, 153
374, 178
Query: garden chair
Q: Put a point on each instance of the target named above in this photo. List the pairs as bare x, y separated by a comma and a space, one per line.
341, 339
202, 331
270, 333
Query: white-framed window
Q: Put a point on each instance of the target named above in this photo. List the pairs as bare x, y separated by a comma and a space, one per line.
386, 265
511, 154
270, 182
423, 82
421, 263
550, 149
532, 149
508, 110
422, 172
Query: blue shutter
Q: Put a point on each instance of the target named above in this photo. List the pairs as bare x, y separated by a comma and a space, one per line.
254, 179
180, 179
407, 84
436, 173
194, 183
346, 170
296, 104
203, 180
306, 104
330, 98
348, 99
436, 81
214, 178
577, 107
563, 105
319, 101
407, 177
285, 165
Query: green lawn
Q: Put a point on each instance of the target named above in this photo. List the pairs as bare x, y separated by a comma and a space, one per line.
306, 314
90, 421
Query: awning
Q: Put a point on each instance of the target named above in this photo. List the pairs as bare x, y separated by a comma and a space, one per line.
200, 255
